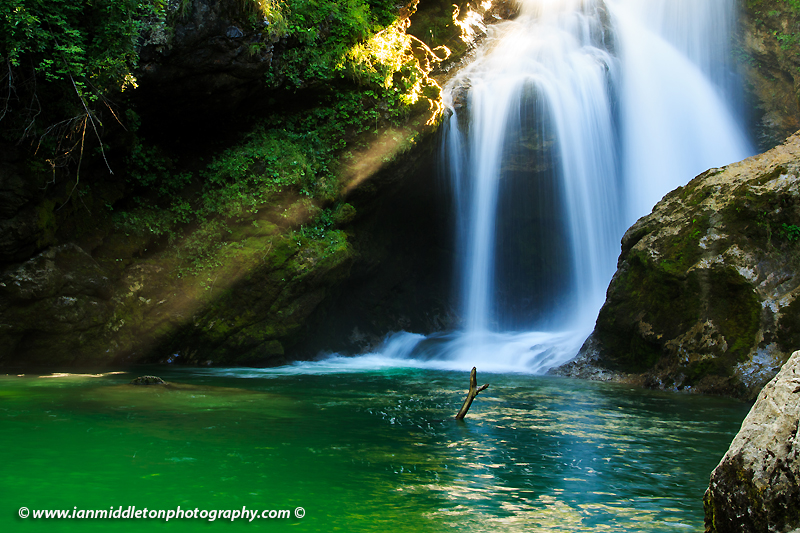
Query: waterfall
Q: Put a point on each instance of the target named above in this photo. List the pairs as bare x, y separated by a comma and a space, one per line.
550, 71
574, 120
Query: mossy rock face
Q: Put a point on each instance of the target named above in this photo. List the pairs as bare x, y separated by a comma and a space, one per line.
63, 307
705, 295
50, 304
164, 262
767, 49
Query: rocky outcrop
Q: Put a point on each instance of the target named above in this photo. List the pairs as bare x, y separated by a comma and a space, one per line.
57, 298
148, 380
79, 284
65, 306
756, 486
705, 296
768, 55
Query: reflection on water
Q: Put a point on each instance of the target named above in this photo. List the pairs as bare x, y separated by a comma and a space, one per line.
362, 451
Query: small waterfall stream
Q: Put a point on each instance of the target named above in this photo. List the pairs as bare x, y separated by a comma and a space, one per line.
572, 122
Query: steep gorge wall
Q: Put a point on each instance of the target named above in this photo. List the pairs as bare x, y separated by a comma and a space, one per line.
284, 231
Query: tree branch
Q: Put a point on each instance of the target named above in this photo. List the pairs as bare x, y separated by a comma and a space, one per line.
473, 391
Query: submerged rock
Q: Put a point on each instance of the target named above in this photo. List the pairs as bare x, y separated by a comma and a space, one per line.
705, 296
756, 486
148, 380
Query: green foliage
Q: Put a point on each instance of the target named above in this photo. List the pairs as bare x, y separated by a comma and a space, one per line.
67, 60
288, 153
66, 63
296, 152
319, 227
145, 221
93, 40
63, 55
790, 232
200, 249
149, 168
326, 30
787, 40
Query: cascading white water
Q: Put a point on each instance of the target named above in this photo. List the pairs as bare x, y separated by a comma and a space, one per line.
676, 120
556, 54
579, 116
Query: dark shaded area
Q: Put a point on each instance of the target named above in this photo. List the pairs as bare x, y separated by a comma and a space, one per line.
401, 278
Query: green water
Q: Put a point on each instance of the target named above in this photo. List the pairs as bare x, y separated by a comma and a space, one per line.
359, 451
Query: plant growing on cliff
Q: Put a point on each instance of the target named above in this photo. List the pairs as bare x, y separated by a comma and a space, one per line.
790, 232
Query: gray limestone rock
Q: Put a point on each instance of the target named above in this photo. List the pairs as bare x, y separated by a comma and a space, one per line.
756, 486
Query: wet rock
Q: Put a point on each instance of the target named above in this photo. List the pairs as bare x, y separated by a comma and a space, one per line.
756, 486
50, 304
769, 61
148, 380
65, 270
705, 297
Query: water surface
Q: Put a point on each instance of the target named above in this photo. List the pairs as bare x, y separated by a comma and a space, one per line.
367, 450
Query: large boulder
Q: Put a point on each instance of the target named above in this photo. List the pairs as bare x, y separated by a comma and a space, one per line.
756, 486
51, 305
705, 296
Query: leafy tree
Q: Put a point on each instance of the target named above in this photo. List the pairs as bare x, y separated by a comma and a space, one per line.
65, 62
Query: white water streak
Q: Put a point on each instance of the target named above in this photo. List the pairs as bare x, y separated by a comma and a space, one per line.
676, 123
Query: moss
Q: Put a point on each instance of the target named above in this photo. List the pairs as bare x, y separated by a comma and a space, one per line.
649, 293
634, 237
762, 217
344, 214
735, 309
283, 249
683, 248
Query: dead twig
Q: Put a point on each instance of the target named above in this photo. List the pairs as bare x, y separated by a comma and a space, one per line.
473, 391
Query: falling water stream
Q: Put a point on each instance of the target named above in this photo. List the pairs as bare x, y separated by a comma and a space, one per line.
573, 121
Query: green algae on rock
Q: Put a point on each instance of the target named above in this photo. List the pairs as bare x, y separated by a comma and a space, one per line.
148, 380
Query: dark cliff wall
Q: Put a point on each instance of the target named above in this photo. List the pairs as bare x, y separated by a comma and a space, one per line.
705, 293
767, 50
269, 181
